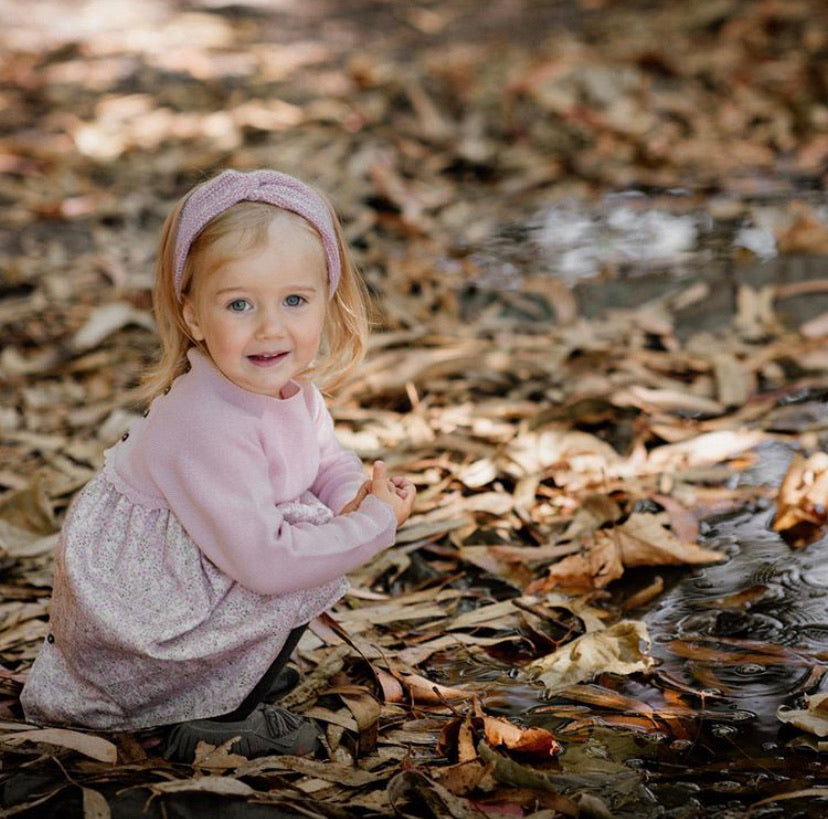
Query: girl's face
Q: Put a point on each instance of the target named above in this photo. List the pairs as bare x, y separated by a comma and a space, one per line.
261, 315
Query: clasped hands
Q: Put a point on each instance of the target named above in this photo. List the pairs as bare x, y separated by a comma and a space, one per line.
398, 493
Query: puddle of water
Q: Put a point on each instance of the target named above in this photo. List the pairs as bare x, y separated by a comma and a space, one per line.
743, 635
630, 248
578, 244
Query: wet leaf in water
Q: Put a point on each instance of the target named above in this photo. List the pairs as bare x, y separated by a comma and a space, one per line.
813, 718
614, 650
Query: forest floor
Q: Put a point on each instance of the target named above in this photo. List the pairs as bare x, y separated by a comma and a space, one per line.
596, 233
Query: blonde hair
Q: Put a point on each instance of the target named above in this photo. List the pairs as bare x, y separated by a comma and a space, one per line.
345, 331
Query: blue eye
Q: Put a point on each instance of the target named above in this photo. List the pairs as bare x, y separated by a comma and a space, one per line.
293, 300
238, 305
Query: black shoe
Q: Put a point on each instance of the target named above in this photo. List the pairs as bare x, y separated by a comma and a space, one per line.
267, 731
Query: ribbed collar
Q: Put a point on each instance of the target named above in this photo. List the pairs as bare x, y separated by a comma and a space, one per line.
205, 372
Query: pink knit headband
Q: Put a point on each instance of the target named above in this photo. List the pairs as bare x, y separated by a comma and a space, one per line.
230, 187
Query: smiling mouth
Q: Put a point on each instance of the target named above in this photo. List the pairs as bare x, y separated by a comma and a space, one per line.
266, 359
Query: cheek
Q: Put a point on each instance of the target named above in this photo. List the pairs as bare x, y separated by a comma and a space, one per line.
315, 325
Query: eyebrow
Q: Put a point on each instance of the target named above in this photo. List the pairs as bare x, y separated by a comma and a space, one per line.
300, 288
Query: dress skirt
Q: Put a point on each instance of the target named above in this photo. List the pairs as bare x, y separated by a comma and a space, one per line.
145, 630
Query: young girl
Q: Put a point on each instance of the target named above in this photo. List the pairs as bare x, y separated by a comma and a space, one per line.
226, 518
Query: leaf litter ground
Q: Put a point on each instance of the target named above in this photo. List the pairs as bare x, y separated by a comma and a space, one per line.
577, 447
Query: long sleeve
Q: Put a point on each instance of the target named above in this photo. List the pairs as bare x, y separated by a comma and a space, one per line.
221, 494
340, 470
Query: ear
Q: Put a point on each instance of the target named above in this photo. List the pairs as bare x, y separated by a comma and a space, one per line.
190, 316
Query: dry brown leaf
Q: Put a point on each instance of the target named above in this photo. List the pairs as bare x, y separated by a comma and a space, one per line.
806, 235
534, 452
466, 745
595, 512
421, 689
615, 650
755, 318
815, 328
683, 522
477, 474
666, 400
803, 494
460, 737
87, 744
95, 805
392, 689
366, 711
464, 777
734, 384
223, 785
598, 566
105, 320
703, 450
529, 554
643, 596
29, 510
644, 541
536, 741
217, 758
416, 654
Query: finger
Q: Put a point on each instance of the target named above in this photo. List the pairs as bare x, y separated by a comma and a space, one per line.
380, 473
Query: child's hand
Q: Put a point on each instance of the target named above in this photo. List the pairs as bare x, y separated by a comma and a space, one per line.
397, 492
360, 496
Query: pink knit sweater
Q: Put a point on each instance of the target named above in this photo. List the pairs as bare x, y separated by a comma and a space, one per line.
222, 459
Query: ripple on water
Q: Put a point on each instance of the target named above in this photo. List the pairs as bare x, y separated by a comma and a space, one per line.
754, 681
812, 636
726, 623
766, 594
816, 576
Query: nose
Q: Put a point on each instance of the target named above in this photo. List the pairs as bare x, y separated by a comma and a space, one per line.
270, 323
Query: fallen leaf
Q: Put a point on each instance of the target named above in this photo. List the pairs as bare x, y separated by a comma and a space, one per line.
598, 566
95, 805
806, 235
645, 541
223, 785
105, 320
499, 731
217, 758
667, 400
615, 650
421, 689
87, 744
706, 449
813, 718
803, 494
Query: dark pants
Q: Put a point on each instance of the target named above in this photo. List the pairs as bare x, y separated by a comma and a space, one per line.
259, 693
